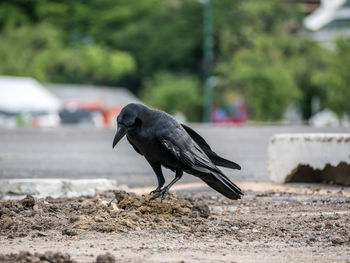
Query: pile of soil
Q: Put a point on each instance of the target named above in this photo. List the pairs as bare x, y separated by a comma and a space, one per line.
108, 212
259, 216
26, 257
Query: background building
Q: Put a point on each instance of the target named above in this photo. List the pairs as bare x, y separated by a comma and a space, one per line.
24, 101
328, 22
91, 105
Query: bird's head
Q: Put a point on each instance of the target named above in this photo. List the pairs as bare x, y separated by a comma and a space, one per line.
129, 119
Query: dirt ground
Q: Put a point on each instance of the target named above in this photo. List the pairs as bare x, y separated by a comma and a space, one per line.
286, 224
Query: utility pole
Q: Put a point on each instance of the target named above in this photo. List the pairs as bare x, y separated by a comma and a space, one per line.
207, 60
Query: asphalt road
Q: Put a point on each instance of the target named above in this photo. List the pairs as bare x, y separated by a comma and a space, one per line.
87, 153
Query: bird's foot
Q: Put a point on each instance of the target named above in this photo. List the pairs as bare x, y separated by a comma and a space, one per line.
157, 190
162, 192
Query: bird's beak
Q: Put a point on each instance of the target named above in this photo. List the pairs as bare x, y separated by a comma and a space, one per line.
121, 131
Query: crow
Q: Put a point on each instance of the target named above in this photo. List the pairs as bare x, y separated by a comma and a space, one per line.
164, 142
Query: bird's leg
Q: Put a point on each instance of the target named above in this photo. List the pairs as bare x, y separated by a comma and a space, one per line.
165, 190
158, 171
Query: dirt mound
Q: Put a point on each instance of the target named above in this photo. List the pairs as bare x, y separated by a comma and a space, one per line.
198, 225
106, 258
25, 256
171, 206
108, 212
256, 217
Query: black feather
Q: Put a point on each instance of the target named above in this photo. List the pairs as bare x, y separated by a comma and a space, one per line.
216, 159
225, 187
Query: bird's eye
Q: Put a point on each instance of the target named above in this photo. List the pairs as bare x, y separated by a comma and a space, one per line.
130, 122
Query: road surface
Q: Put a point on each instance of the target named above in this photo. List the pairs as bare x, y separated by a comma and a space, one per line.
77, 153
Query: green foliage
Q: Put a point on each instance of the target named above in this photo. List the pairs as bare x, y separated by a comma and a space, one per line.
237, 23
159, 35
260, 73
37, 51
12, 15
92, 64
162, 35
336, 80
268, 63
25, 51
307, 59
257, 51
174, 93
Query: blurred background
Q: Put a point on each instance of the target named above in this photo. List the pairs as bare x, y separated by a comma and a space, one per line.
242, 63
221, 61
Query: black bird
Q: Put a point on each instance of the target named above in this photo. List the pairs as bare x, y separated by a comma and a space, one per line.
163, 141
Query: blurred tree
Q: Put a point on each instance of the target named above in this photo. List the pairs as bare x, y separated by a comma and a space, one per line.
161, 35
336, 80
237, 23
262, 75
256, 49
308, 58
174, 93
38, 51
12, 14
91, 64
271, 65
23, 50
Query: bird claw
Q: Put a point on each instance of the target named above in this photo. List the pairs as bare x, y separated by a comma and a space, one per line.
157, 190
162, 192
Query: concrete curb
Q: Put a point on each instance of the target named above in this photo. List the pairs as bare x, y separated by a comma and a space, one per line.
309, 158
18, 188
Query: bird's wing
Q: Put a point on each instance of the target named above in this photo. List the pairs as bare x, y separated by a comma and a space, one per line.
216, 159
180, 144
177, 141
196, 137
135, 148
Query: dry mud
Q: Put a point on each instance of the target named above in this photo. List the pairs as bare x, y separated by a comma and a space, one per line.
203, 227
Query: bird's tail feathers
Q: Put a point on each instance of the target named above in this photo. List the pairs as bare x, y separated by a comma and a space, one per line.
219, 161
223, 185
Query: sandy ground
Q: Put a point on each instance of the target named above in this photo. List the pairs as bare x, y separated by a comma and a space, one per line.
303, 223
